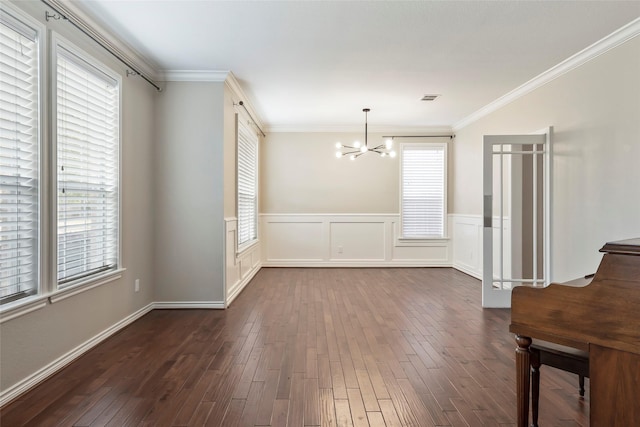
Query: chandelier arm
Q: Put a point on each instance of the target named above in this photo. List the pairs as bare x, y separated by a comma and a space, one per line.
352, 152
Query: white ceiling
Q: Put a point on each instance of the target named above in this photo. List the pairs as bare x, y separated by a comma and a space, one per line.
316, 64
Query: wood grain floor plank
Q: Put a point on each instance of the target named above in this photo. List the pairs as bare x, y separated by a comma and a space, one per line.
324, 372
250, 412
296, 401
375, 419
234, 413
311, 402
389, 413
343, 413
358, 413
366, 389
337, 381
267, 401
327, 408
280, 412
201, 414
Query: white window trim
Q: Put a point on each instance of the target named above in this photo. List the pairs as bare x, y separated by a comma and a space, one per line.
83, 283
91, 282
27, 304
412, 241
48, 292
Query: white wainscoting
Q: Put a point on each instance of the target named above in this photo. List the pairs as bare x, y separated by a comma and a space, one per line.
240, 267
467, 243
345, 240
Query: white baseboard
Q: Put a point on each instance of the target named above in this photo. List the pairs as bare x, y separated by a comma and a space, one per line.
240, 285
466, 270
188, 304
37, 377
355, 264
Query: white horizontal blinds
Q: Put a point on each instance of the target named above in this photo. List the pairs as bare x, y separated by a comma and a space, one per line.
423, 186
87, 105
18, 159
247, 184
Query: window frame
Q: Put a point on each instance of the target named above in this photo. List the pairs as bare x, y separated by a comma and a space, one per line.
409, 240
48, 291
92, 280
246, 127
34, 301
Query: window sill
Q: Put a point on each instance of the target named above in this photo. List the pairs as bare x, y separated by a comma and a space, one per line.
246, 246
85, 285
22, 307
421, 241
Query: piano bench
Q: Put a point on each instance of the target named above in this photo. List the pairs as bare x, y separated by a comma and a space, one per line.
557, 356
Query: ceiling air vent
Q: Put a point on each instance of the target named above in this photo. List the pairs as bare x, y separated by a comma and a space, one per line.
429, 97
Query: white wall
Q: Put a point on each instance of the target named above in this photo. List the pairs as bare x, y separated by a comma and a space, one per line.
36, 343
595, 111
189, 210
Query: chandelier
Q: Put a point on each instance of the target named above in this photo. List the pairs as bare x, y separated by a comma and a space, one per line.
358, 149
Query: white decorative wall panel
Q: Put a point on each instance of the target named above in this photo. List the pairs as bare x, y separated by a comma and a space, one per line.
240, 268
467, 244
437, 254
345, 240
294, 240
357, 241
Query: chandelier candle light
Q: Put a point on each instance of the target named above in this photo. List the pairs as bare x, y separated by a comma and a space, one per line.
357, 149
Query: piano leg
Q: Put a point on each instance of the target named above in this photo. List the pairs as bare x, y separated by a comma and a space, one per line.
523, 367
535, 387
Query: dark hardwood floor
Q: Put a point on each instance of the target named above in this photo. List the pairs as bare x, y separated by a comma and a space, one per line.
316, 347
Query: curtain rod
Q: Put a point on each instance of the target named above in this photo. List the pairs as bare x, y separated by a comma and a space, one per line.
95, 36
420, 136
240, 103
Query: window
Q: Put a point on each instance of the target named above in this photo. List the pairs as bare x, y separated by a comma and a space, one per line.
247, 185
423, 191
87, 146
19, 158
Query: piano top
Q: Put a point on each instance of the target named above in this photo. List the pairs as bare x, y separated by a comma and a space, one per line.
629, 247
604, 312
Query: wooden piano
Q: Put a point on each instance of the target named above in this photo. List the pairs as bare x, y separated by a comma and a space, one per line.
602, 318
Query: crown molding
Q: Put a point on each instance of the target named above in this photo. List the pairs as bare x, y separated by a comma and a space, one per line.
217, 76
194, 75
284, 128
607, 43
234, 85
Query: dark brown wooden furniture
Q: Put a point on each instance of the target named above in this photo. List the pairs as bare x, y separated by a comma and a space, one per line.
557, 356
603, 319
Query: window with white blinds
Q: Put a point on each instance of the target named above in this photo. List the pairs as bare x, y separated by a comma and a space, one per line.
19, 155
247, 184
87, 143
423, 190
